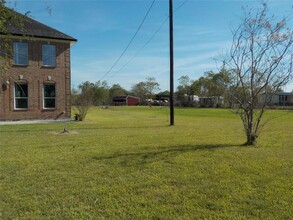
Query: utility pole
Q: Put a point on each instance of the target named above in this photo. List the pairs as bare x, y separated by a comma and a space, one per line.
171, 63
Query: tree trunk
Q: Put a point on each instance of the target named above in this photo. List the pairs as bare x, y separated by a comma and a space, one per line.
251, 139
250, 133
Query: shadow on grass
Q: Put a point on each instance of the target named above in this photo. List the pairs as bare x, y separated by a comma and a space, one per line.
122, 127
161, 151
80, 128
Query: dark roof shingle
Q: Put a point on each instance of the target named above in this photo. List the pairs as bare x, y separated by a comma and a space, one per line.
33, 28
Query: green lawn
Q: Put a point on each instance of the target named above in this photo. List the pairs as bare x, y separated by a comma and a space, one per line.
127, 163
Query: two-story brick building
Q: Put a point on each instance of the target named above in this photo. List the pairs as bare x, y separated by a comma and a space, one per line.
37, 83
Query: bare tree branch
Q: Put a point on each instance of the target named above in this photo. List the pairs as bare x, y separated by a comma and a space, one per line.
261, 60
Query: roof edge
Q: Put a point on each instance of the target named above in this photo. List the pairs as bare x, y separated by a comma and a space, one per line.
28, 37
35, 36
29, 25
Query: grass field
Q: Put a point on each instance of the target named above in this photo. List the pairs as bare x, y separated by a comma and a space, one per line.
127, 163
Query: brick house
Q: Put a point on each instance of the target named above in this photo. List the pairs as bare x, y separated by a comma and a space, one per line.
37, 82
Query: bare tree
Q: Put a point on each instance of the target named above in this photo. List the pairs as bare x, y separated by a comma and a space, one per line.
261, 62
83, 98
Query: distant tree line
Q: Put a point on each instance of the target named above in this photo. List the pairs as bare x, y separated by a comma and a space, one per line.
211, 84
100, 93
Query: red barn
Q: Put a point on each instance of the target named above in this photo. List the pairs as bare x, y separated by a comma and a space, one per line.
126, 100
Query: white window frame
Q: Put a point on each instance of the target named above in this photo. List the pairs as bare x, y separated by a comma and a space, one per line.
16, 98
45, 98
17, 54
50, 56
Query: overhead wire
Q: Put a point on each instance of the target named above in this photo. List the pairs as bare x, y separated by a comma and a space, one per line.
183, 3
148, 41
138, 52
128, 45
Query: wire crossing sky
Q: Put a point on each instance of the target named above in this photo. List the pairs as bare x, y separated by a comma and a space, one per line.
148, 41
143, 20
202, 32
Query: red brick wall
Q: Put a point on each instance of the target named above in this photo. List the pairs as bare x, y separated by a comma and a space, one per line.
35, 75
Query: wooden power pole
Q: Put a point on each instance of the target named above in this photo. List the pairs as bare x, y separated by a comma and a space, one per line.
171, 63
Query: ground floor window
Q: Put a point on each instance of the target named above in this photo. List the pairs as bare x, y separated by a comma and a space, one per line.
21, 96
49, 96
283, 98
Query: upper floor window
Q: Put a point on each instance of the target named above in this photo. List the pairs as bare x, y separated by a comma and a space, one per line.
20, 96
49, 55
20, 53
49, 96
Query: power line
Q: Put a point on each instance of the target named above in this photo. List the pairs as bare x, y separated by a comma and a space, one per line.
183, 3
148, 41
138, 52
129, 41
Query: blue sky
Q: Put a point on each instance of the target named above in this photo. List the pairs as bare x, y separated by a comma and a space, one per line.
202, 33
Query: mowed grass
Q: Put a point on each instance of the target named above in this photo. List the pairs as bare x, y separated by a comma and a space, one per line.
128, 163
